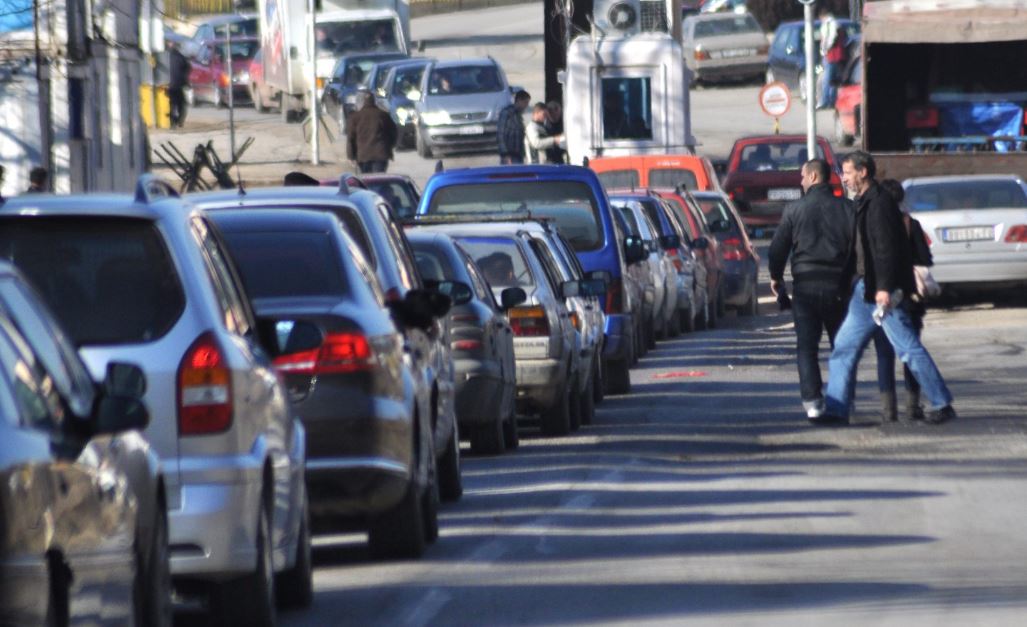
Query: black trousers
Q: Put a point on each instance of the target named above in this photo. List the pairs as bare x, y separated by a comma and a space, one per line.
176, 96
817, 308
370, 167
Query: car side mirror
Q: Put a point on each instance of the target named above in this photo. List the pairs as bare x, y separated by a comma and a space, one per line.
593, 287
511, 297
700, 243
634, 250
280, 337
120, 405
420, 308
459, 292
670, 242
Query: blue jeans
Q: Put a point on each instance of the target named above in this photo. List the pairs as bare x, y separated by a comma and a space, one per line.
856, 332
828, 92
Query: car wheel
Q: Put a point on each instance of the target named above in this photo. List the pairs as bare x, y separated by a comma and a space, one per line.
451, 486
556, 420
489, 439
153, 591
721, 301
399, 532
650, 335
295, 586
424, 149
587, 402
511, 438
618, 376
257, 588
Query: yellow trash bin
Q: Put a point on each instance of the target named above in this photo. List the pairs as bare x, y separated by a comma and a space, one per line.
163, 105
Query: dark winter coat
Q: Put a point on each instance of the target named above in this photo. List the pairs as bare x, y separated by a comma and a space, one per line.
178, 70
884, 243
816, 233
510, 132
371, 135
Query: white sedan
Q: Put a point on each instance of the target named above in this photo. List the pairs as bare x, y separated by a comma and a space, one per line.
976, 227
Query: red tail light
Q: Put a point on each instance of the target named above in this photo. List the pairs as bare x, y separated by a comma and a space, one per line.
466, 345
338, 354
615, 296
529, 321
701, 55
1017, 234
838, 193
922, 118
732, 250
224, 79
204, 389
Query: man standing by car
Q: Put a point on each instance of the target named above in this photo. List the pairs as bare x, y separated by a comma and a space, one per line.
881, 267
178, 80
371, 135
537, 139
510, 129
816, 234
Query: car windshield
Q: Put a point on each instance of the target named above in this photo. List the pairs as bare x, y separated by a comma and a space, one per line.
107, 280
355, 72
775, 157
407, 81
397, 195
728, 25
431, 263
571, 205
619, 179
968, 194
670, 178
241, 50
335, 38
468, 79
293, 263
500, 260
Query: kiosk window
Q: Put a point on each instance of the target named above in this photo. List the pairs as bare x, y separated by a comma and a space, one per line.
627, 108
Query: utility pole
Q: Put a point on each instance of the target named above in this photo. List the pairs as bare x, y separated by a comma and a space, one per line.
43, 97
811, 82
231, 89
571, 16
315, 113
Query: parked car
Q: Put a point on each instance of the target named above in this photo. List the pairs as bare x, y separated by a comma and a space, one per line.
146, 279
368, 457
741, 261
209, 72
459, 106
350, 75
399, 96
379, 236
574, 200
764, 174
545, 343
637, 289
977, 229
707, 254
399, 190
849, 103
242, 25
644, 272
656, 172
787, 60
105, 528
481, 341
724, 46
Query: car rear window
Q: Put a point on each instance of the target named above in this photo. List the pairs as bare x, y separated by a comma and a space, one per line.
670, 178
969, 194
295, 263
619, 179
500, 261
468, 79
571, 205
398, 195
717, 214
108, 280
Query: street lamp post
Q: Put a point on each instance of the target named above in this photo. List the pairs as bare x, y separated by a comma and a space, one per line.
315, 112
811, 82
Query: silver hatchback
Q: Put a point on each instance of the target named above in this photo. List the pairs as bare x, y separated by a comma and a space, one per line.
146, 280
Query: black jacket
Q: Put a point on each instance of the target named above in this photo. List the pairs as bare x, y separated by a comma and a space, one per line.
371, 135
887, 255
816, 233
178, 70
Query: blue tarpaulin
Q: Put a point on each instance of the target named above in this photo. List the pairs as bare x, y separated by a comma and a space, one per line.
15, 15
982, 118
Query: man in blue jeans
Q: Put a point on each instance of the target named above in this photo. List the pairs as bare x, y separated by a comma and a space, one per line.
881, 266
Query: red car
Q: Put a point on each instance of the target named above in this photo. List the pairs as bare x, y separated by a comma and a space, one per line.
208, 76
848, 103
763, 175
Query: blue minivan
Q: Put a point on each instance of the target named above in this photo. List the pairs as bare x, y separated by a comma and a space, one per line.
572, 198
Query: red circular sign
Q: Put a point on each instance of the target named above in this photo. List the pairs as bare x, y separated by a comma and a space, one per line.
775, 99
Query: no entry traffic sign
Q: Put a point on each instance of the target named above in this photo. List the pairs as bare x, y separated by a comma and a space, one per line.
775, 99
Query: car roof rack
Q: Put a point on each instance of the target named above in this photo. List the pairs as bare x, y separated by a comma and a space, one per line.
150, 188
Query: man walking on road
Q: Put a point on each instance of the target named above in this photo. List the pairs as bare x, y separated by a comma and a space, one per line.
178, 80
371, 135
510, 130
815, 233
881, 266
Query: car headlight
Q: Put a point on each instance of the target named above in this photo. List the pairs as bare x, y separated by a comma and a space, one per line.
405, 114
242, 77
434, 118
350, 99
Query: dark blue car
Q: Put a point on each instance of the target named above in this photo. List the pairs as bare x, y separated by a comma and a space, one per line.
741, 261
787, 61
573, 199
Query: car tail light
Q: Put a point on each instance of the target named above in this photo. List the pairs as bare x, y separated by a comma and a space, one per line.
204, 389
732, 250
615, 296
575, 320
466, 345
529, 321
702, 55
223, 79
340, 353
922, 118
1017, 234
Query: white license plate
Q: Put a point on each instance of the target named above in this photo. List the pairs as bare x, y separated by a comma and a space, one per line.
738, 52
784, 193
968, 234
472, 129
531, 348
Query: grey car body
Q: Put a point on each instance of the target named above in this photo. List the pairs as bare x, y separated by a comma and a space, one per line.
482, 345
350, 75
463, 116
724, 46
398, 95
66, 458
146, 280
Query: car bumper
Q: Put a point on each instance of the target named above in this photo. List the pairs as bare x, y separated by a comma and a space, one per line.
456, 136
540, 382
479, 391
730, 68
980, 271
617, 337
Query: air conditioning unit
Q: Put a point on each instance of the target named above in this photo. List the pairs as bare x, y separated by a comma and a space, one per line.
629, 17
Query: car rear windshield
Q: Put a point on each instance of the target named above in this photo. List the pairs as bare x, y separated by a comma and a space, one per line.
431, 263
469, 79
776, 157
500, 260
619, 179
571, 205
398, 195
295, 263
108, 280
731, 25
670, 178
966, 195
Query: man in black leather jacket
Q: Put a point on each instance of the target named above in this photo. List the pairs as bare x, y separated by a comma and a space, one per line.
816, 234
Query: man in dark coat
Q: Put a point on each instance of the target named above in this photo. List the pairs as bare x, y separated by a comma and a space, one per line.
816, 234
881, 267
371, 136
510, 129
178, 80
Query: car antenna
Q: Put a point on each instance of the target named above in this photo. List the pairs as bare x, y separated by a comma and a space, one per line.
238, 176
439, 167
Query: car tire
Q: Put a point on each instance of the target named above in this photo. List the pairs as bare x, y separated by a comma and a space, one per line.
295, 586
587, 403
430, 502
424, 149
153, 590
650, 335
618, 377
489, 439
451, 486
58, 606
721, 301
556, 420
256, 588
399, 532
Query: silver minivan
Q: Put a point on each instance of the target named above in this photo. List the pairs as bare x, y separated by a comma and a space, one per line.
146, 280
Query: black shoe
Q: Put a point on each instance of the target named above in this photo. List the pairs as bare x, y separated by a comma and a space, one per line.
940, 416
829, 420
